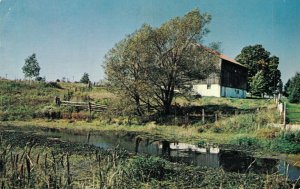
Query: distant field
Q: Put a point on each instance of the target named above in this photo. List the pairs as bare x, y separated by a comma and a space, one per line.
293, 113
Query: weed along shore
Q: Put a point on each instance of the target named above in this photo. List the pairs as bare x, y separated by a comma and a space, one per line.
38, 160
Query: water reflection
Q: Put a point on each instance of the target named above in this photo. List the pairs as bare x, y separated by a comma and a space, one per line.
240, 162
209, 156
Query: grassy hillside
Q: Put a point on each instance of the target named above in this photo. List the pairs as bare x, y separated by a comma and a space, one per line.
21, 100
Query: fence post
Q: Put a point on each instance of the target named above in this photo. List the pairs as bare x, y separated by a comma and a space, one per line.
203, 116
57, 101
284, 115
88, 137
216, 115
90, 110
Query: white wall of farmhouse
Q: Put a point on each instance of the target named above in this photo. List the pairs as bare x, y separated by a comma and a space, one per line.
233, 93
204, 90
219, 91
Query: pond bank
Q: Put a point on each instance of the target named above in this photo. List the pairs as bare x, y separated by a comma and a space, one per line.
150, 131
169, 175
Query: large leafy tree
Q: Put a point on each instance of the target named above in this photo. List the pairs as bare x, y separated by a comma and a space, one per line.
149, 64
31, 67
294, 89
257, 59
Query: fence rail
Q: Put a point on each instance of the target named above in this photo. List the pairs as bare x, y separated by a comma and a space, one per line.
90, 106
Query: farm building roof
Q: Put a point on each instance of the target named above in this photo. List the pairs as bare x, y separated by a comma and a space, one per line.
220, 55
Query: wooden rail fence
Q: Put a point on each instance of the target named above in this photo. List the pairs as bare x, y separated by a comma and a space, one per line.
90, 106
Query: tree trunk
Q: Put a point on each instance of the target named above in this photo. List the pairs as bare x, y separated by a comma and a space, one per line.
138, 105
168, 102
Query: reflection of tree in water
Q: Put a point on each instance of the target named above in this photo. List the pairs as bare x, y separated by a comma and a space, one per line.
240, 162
137, 143
166, 150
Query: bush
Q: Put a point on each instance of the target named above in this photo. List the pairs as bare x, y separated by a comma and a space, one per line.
50, 112
146, 168
201, 130
68, 95
217, 129
52, 85
284, 146
246, 141
291, 136
201, 144
3, 116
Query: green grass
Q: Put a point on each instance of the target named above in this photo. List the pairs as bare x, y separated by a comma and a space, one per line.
232, 102
293, 113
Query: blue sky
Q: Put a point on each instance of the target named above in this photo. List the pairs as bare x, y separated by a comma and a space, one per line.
71, 37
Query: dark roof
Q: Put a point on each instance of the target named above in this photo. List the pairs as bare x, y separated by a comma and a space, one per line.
220, 55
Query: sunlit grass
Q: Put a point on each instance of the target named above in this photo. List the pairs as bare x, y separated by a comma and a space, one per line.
293, 113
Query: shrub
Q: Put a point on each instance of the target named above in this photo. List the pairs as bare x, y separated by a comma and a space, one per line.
145, 168
201, 129
52, 85
284, 146
3, 116
68, 95
246, 141
201, 144
217, 129
292, 136
50, 112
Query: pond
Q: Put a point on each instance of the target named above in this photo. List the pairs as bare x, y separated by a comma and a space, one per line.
214, 157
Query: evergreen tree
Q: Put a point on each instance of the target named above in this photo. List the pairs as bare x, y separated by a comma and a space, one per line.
85, 78
294, 89
286, 87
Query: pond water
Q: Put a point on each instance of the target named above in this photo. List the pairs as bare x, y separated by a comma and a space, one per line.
235, 161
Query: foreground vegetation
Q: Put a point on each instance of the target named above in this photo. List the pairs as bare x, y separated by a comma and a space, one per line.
32, 161
240, 124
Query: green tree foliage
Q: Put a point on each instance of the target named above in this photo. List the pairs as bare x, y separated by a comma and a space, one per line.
257, 58
294, 89
258, 84
149, 64
85, 78
286, 87
31, 67
280, 86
